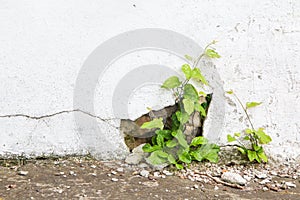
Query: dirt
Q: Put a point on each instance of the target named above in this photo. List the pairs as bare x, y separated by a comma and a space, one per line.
84, 178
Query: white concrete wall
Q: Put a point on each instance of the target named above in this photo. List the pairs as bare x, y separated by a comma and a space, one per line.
44, 44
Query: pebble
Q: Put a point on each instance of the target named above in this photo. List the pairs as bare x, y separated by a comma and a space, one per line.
113, 172
167, 173
22, 173
290, 184
260, 175
156, 174
114, 180
265, 181
265, 189
120, 169
233, 178
93, 166
144, 173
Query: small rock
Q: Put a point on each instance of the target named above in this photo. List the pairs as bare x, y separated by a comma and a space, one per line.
265, 189
143, 165
114, 180
290, 184
144, 173
265, 181
120, 169
22, 173
274, 173
260, 175
156, 174
113, 172
93, 166
216, 188
93, 174
233, 178
71, 172
196, 186
134, 158
167, 173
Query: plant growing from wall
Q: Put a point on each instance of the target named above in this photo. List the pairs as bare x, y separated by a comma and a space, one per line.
250, 141
170, 145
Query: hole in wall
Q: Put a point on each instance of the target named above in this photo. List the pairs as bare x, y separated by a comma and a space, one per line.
134, 135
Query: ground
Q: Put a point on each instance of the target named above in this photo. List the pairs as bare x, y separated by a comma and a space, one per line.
84, 178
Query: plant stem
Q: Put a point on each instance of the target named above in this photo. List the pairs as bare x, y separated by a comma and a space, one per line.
253, 140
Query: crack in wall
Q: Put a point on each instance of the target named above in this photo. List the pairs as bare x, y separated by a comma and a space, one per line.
59, 113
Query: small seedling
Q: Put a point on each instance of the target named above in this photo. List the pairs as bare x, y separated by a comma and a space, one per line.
250, 141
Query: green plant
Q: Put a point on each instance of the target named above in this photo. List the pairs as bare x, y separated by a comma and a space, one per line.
170, 145
255, 138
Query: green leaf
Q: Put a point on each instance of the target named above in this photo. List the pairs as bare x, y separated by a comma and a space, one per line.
252, 104
262, 156
165, 134
256, 147
230, 138
179, 166
208, 152
198, 140
237, 134
188, 57
262, 136
249, 131
171, 159
189, 92
182, 117
162, 154
188, 106
171, 82
212, 53
155, 123
148, 148
200, 109
181, 138
155, 159
185, 157
197, 75
186, 69
229, 92
171, 143
252, 155
160, 140
242, 150
175, 122
201, 93
246, 137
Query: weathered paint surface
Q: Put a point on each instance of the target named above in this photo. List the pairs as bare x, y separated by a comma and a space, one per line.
43, 45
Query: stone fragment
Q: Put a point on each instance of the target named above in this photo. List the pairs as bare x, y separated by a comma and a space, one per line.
22, 173
233, 178
144, 173
167, 173
114, 180
136, 156
120, 169
290, 184
260, 175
